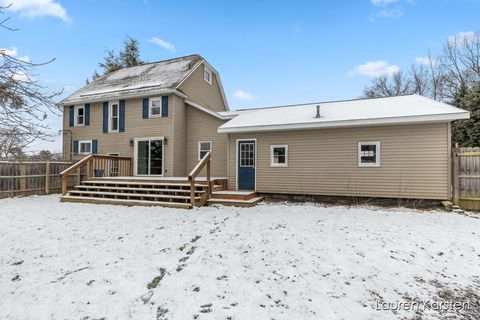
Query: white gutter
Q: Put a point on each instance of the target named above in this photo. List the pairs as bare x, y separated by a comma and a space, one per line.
346, 123
210, 112
121, 94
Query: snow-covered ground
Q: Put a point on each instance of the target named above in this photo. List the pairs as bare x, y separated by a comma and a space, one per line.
272, 261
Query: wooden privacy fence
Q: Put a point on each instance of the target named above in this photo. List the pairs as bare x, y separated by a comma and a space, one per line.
466, 177
28, 178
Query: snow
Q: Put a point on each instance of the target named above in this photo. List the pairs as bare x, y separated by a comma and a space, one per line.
407, 109
272, 261
158, 75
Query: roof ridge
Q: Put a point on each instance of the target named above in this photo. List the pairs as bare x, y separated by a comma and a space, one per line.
330, 101
166, 60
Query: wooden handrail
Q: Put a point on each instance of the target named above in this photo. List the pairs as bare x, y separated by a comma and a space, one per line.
94, 161
205, 161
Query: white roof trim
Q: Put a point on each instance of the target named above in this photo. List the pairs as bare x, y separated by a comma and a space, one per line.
346, 123
206, 110
203, 61
135, 93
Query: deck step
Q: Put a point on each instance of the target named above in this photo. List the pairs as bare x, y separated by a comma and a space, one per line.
234, 195
234, 202
125, 202
137, 183
103, 194
139, 189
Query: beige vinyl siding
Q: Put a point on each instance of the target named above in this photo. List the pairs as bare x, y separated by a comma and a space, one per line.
179, 113
203, 127
135, 127
414, 162
201, 92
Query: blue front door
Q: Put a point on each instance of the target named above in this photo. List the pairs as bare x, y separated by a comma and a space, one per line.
246, 165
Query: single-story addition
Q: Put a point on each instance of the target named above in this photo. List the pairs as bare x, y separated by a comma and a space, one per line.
160, 125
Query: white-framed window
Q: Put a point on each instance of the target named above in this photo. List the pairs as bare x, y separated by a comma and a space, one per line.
207, 75
203, 148
85, 146
155, 109
279, 155
79, 115
114, 117
369, 154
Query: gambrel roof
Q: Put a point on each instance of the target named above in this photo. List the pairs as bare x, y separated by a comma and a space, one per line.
160, 77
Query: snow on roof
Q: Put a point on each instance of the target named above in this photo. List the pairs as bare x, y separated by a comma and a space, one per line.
162, 75
390, 110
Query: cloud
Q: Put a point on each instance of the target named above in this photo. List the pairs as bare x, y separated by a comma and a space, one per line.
382, 2
374, 69
463, 36
243, 95
425, 60
390, 13
37, 8
13, 52
162, 43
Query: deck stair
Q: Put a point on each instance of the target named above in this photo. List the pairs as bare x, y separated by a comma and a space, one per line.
234, 198
131, 191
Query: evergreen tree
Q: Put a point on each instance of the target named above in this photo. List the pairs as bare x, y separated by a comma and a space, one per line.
467, 132
129, 56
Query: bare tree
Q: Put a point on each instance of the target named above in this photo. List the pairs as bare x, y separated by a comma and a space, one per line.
24, 102
439, 78
461, 63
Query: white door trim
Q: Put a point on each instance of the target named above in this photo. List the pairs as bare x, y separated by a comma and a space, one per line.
236, 161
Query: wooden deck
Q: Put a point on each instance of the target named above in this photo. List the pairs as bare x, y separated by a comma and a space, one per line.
121, 187
172, 192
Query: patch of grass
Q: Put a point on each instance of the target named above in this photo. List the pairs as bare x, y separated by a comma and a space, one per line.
195, 239
156, 281
192, 250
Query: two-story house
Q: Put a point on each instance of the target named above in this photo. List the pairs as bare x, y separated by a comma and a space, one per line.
167, 115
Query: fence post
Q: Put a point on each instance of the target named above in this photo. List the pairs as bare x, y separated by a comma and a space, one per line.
23, 179
455, 175
47, 177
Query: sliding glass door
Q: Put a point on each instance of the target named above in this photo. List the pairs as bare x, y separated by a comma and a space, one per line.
149, 156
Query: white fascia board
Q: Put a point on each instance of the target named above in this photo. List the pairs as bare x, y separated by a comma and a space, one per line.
348, 123
134, 93
206, 110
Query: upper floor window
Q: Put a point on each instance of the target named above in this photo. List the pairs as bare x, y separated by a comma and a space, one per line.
369, 154
155, 107
207, 75
203, 148
279, 155
79, 115
85, 147
114, 118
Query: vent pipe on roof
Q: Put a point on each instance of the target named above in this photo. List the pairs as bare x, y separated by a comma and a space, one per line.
318, 111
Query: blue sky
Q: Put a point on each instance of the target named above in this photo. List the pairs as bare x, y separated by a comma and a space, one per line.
267, 52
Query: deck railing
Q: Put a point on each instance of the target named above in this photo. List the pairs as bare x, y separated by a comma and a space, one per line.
193, 175
98, 166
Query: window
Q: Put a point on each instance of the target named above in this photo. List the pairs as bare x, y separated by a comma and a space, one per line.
207, 75
114, 117
247, 154
369, 154
279, 155
203, 148
155, 107
79, 115
85, 147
